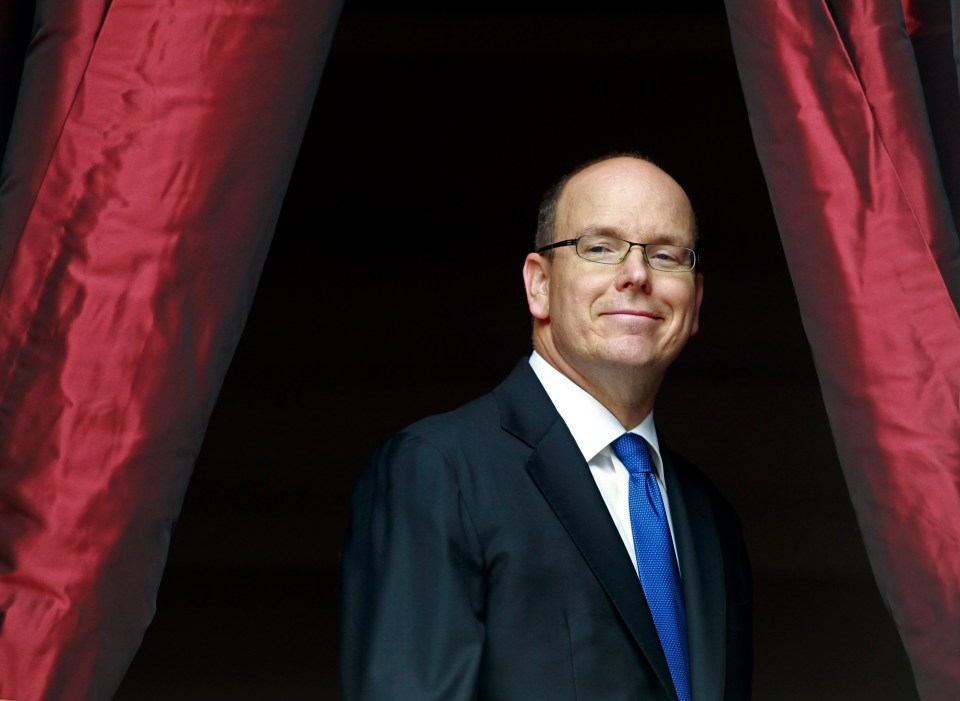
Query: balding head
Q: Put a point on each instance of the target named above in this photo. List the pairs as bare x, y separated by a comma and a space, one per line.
547, 215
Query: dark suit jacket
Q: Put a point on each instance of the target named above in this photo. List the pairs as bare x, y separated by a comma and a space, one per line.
482, 563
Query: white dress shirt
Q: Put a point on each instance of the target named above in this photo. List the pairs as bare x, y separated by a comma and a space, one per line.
594, 428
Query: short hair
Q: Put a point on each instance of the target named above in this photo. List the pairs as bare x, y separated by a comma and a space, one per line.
547, 214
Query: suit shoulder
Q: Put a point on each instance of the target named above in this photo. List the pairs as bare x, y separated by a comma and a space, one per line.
477, 419
442, 437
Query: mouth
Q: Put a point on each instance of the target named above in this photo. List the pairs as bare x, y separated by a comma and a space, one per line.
637, 313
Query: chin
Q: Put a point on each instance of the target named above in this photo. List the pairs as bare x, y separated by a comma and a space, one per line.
630, 361
630, 353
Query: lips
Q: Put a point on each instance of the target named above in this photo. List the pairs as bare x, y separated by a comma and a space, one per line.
632, 312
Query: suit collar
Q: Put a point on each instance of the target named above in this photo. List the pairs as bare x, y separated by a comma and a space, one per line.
560, 472
592, 425
562, 476
525, 409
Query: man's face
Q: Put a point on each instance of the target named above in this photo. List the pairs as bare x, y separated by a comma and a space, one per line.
594, 317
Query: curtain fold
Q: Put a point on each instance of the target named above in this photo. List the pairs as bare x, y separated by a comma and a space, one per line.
150, 150
853, 107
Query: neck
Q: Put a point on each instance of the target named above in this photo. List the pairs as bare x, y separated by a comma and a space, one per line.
626, 392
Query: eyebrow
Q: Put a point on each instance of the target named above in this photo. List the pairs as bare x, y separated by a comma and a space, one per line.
661, 237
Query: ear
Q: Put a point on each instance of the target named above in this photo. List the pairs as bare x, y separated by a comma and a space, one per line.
698, 291
536, 281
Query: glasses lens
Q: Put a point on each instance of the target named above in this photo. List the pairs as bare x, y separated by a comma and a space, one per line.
611, 250
601, 249
670, 258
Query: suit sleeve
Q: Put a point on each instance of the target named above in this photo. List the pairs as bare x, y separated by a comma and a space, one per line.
412, 581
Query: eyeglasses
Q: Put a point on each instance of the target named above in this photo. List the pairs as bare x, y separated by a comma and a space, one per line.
600, 248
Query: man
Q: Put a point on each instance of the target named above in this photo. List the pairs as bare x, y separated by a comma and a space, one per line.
522, 547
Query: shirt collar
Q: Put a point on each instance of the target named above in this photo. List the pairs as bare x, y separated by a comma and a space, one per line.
592, 425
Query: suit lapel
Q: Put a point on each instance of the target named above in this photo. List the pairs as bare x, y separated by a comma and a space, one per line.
559, 471
701, 565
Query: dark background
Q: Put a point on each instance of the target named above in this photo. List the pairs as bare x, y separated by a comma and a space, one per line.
434, 134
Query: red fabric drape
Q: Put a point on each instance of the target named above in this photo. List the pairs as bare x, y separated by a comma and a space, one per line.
855, 122
151, 147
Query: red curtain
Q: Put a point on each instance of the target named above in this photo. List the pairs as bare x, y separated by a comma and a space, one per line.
854, 111
150, 150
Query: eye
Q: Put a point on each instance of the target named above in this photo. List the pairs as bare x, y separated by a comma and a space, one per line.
666, 254
601, 249
669, 257
599, 245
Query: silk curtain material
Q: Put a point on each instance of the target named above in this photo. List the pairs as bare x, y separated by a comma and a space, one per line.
150, 150
854, 111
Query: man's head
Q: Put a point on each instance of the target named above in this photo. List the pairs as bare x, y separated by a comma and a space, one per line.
613, 329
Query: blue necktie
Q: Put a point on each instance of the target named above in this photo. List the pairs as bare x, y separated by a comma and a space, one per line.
656, 563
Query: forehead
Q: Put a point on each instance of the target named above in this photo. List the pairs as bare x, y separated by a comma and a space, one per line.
627, 197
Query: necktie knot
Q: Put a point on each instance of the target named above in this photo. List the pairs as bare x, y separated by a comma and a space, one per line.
633, 453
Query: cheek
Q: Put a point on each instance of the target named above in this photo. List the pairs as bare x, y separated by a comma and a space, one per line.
573, 300
585, 294
685, 314
681, 295
571, 316
580, 312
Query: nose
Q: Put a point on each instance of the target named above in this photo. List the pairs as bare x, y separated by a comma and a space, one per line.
634, 270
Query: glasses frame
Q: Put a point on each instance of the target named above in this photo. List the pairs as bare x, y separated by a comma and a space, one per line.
641, 246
